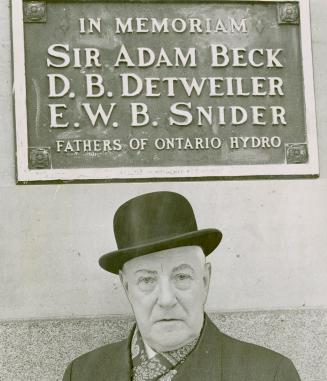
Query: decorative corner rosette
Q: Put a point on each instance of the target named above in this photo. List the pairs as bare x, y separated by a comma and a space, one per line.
288, 13
35, 11
39, 158
297, 153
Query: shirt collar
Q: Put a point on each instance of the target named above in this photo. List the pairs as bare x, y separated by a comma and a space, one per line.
149, 351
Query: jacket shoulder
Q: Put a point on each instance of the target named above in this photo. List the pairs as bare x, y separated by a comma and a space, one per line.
243, 348
106, 351
257, 362
99, 363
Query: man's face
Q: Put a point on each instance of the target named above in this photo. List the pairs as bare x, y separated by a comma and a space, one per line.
167, 291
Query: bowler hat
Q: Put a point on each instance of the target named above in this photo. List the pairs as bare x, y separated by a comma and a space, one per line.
153, 222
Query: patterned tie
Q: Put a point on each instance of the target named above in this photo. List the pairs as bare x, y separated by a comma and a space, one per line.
161, 366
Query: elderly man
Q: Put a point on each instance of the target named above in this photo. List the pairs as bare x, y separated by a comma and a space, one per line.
162, 267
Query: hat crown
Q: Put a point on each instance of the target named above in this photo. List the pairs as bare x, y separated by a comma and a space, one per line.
153, 217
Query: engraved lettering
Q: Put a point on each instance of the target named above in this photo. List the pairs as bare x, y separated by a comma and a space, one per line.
99, 113
90, 56
180, 25
55, 115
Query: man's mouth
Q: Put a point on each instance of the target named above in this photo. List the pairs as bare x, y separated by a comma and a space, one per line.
167, 320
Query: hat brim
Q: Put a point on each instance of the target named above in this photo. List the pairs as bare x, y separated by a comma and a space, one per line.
207, 239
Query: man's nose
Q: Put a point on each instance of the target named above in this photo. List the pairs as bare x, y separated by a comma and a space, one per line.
166, 294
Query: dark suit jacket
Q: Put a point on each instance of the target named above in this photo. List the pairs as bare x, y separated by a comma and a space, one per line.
217, 357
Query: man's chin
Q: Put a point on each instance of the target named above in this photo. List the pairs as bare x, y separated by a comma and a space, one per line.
168, 345
169, 335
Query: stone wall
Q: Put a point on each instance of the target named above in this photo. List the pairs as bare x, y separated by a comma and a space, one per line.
39, 350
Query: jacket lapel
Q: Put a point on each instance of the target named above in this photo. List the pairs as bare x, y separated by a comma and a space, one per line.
204, 362
115, 362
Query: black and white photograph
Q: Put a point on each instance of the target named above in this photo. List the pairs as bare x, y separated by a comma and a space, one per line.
163, 197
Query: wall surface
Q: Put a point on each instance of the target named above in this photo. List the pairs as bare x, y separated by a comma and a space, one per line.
272, 255
52, 235
40, 350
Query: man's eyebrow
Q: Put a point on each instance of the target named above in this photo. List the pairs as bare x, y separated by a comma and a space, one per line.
153, 272
184, 266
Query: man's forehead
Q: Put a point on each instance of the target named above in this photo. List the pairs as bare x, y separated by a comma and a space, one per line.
181, 257
151, 270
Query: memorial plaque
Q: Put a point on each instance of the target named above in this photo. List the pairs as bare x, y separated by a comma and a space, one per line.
127, 90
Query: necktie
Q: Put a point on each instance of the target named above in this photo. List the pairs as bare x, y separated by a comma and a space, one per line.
161, 366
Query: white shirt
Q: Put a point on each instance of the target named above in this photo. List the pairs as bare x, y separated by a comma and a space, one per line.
149, 351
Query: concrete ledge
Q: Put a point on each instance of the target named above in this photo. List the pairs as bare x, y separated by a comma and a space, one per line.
41, 349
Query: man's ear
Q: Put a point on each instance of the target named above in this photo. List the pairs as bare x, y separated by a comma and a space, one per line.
206, 279
123, 281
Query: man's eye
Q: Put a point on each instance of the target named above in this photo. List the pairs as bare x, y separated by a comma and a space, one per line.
147, 283
183, 281
183, 276
147, 280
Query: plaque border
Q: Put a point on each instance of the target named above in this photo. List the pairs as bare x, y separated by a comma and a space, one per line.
25, 175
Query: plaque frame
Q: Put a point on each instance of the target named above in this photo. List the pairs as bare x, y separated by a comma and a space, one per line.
291, 168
